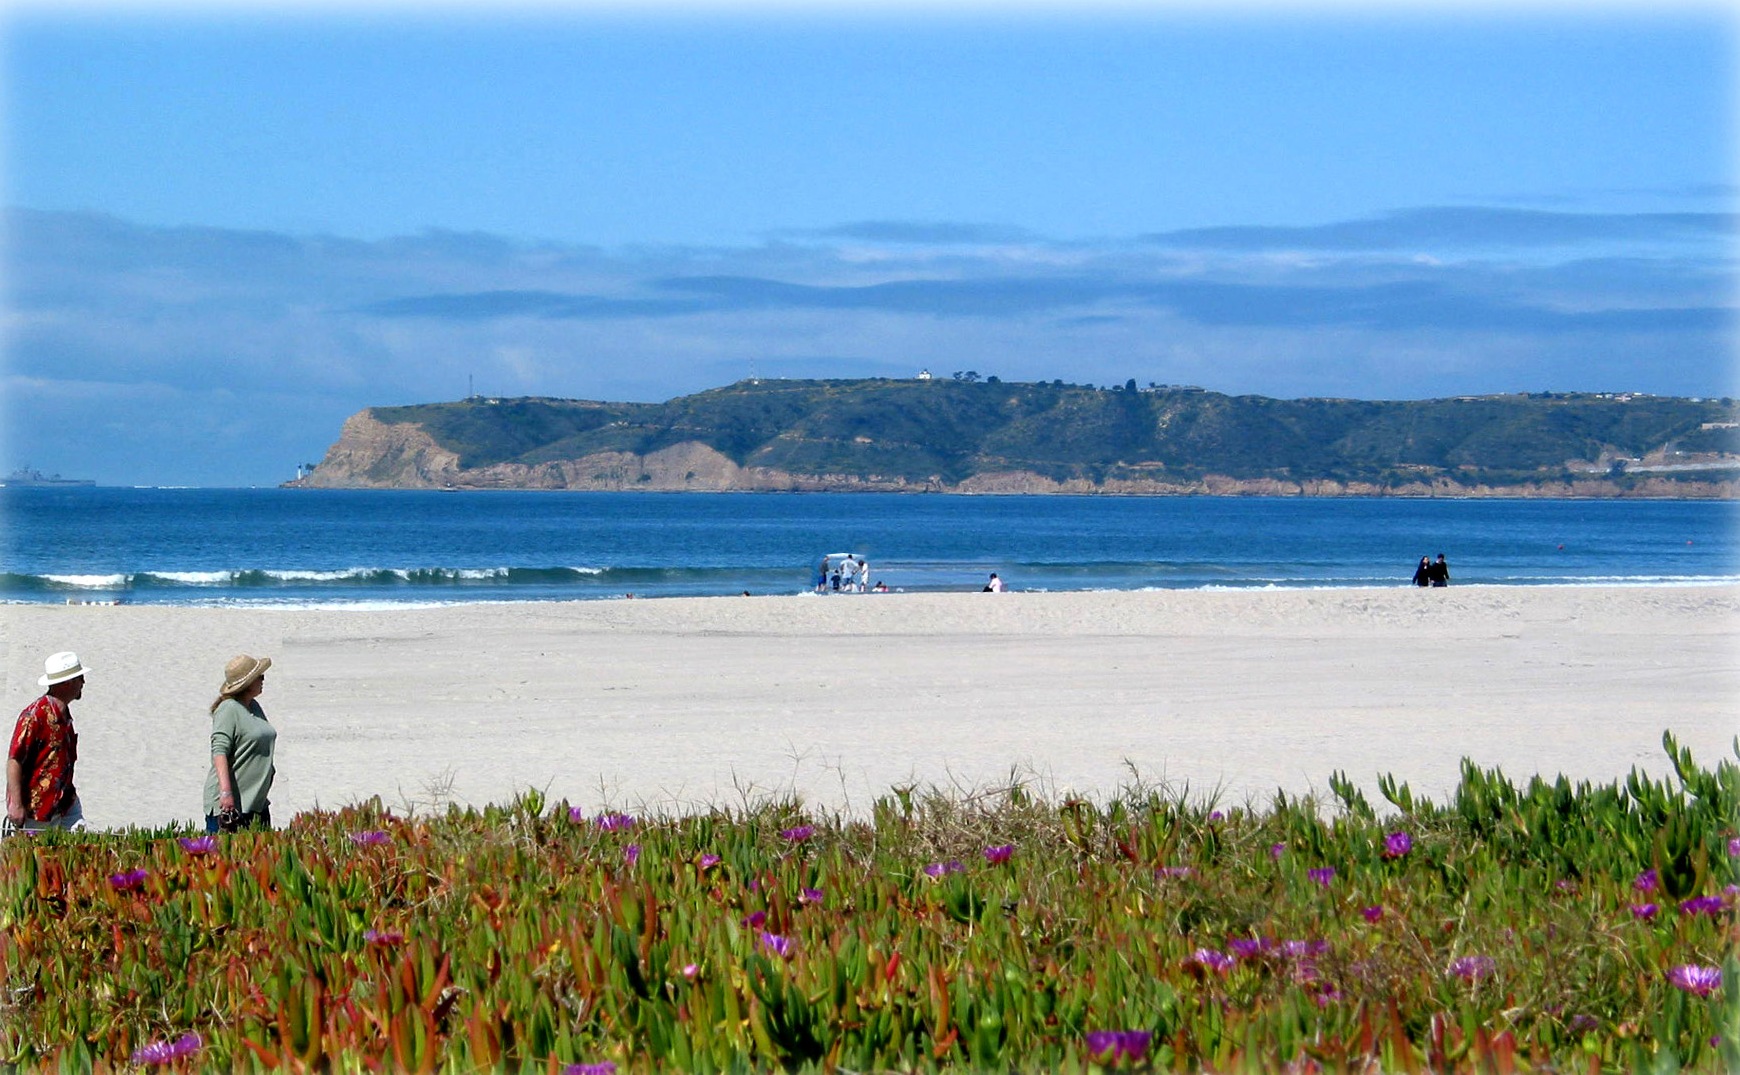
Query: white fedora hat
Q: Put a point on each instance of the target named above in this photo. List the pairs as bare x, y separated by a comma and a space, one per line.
60, 667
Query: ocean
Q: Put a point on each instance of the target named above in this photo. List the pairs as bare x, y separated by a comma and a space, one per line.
363, 549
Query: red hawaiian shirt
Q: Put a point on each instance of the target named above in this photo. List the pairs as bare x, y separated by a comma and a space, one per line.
45, 747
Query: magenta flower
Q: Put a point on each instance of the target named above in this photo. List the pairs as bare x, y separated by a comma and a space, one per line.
779, 946
1647, 881
1734, 847
1249, 947
1111, 1046
371, 838
1327, 994
615, 822
1397, 844
1644, 911
126, 882
1709, 905
198, 845
383, 938
1473, 968
1564, 884
603, 1067
690, 970
1303, 949
1277, 850
1583, 1024
938, 869
798, 834
167, 1052
1216, 815
1209, 959
810, 895
1374, 913
1322, 875
709, 861
1174, 871
1000, 854
631, 854
1692, 978
755, 919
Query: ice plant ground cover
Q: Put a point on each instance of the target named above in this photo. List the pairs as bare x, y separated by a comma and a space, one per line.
986, 931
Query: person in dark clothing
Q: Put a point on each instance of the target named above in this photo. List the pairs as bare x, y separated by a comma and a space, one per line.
1439, 572
1423, 573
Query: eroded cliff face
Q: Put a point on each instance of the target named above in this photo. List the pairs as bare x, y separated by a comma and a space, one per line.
371, 454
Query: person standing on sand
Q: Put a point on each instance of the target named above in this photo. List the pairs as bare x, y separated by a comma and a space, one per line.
1439, 572
1423, 573
242, 743
39, 765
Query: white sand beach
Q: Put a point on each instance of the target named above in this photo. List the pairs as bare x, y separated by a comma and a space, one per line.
672, 704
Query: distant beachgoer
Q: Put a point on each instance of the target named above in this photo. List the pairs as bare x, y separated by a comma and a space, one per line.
39, 764
822, 576
994, 586
863, 575
849, 574
881, 586
1440, 572
1423, 573
239, 783
834, 580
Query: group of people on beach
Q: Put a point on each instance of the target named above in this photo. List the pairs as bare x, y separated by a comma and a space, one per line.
850, 575
40, 793
1432, 572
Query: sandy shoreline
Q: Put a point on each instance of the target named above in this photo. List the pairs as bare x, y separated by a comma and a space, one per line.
678, 702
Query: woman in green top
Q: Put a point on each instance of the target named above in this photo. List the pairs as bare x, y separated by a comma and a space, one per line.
241, 773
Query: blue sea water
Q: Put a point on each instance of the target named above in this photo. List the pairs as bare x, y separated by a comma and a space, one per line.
363, 548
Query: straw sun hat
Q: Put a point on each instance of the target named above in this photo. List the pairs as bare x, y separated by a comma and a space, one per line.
242, 671
59, 668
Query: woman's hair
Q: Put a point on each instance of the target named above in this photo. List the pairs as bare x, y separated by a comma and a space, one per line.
235, 694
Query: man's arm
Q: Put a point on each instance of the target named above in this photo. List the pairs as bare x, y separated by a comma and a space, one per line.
14, 790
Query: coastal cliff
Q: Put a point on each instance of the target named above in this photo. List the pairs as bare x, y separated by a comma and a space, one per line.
950, 437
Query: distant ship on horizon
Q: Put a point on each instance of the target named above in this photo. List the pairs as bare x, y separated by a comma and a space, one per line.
26, 476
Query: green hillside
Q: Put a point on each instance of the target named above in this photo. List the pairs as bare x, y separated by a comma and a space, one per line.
950, 430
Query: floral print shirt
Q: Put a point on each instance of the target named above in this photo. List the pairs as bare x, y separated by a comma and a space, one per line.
45, 747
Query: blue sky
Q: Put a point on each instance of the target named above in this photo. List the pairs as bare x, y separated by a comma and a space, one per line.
228, 229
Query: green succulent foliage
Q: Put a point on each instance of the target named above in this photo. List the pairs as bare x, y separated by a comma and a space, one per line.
530, 936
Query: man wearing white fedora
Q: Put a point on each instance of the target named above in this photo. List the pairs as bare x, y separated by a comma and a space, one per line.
39, 765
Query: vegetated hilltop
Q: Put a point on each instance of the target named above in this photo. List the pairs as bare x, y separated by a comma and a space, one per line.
964, 435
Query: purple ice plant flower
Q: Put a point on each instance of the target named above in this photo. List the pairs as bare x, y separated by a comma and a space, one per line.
1303, 949
1583, 1024
1110, 1046
690, 970
1565, 884
1374, 913
779, 946
1397, 844
614, 822
1277, 850
1647, 881
383, 938
1322, 875
1734, 847
1473, 968
708, 861
1695, 979
798, 834
810, 895
1644, 911
1210, 959
938, 869
1709, 905
1000, 854
755, 919
126, 882
1327, 994
1216, 815
371, 838
1174, 871
603, 1067
631, 854
198, 845
1248, 947
167, 1052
